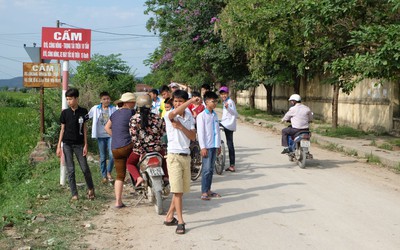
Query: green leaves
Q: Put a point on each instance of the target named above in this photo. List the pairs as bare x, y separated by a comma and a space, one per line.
189, 30
102, 73
278, 41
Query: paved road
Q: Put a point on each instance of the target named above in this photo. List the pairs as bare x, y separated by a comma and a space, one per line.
270, 203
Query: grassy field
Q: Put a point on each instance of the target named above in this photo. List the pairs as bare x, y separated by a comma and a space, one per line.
35, 211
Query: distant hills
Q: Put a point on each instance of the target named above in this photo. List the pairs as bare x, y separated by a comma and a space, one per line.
16, 82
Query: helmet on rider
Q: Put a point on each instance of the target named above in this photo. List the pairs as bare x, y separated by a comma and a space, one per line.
144, 101
295, 97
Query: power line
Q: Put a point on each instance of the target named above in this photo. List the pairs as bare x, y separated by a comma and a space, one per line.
8, 58
7, 74
13, 34
110, 33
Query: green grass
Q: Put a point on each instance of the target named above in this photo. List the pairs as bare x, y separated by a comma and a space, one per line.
333, 147
373, 159
386, 146
397, 168
351, 152
257, 113
339, 132
395, 142
42, 196
28, 192
19, 134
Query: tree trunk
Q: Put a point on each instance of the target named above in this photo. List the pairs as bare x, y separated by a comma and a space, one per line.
335, 104
296, 85
269, 89
233, 94
252, 94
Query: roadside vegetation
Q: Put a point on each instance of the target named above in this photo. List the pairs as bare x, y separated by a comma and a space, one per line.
35, 210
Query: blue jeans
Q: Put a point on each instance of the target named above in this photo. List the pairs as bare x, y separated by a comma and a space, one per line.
105, 149
208, 170
68, 151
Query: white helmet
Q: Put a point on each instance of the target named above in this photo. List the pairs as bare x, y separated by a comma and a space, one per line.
295, 97
144, 101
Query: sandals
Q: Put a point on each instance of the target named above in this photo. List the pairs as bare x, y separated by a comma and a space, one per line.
205, 197
231, 169
180, 229
120, 206
173, 222
214, 195
90, 194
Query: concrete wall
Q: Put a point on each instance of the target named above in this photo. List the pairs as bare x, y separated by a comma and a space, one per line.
370, 106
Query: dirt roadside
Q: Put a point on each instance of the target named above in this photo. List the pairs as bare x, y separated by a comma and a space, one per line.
269, 203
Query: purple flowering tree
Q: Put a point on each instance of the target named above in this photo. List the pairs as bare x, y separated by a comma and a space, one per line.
191, 50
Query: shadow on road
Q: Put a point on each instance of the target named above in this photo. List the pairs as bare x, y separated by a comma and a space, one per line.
295, 208
195, 204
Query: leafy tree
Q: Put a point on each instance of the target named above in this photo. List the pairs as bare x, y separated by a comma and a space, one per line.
102, 73
337, 32
376, 43
270, 33
191, 50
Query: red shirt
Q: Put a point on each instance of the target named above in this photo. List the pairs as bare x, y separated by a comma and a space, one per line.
197, 109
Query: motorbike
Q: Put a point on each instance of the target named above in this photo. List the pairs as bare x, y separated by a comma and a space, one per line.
299, 147
153, 188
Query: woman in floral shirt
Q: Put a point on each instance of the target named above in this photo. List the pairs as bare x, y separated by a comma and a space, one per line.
146, 130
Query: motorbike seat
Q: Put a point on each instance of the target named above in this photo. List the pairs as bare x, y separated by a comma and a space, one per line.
151, 157
304, 134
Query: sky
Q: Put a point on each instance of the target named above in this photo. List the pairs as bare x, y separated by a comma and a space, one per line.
21, 22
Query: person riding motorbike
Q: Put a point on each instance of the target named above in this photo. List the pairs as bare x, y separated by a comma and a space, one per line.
299, 115
146, 130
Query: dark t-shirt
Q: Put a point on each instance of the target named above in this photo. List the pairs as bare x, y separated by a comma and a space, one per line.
120, 127
73, 121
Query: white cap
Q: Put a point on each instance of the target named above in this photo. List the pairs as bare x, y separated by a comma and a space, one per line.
173, 84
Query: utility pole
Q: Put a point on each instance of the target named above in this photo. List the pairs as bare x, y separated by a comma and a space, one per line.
63, 168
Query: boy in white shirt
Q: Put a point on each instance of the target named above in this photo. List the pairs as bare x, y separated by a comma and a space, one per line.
180, 130
209, 138
228, 121
100, 114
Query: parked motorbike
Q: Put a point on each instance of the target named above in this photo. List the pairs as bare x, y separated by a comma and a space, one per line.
299, 147
153, 188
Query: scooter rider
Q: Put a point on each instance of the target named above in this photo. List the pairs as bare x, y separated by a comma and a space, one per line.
299, 115
146, 130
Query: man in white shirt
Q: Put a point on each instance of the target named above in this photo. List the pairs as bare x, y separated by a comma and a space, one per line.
180, 130
100, 114
228, 121
299, 115
209, 137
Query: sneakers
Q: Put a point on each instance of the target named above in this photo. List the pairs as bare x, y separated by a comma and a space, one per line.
285, 151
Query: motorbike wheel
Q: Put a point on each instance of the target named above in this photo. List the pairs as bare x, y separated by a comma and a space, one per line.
220, 161
302, 156
195, 163
158, 203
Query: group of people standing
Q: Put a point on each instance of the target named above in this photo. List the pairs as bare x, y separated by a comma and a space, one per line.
125, 133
